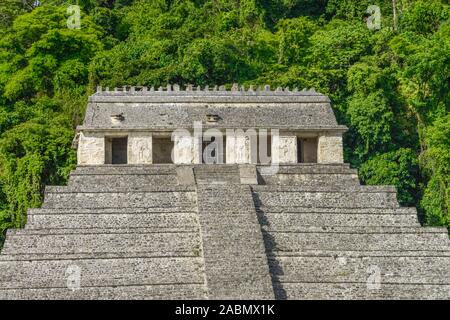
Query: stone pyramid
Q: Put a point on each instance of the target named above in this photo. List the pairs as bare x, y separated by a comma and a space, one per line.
311, 231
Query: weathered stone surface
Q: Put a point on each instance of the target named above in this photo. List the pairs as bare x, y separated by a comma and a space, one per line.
91, 149
284, 148
238, 148
146, 117
140, 292
213, 238
235, 261
139, 148
346, 269
185, 176
164, 244
282, 221
219, 231
330, 148
347, 291
217, 174
186, 150
158, 221
102, 272
248, 174
175, 115
323, 244
321, 198
66, 198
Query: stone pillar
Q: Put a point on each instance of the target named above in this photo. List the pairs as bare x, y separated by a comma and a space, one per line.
186, 150
239, 147
197, 155
91, 149
330, 148
230, 148
140, 148
284, 148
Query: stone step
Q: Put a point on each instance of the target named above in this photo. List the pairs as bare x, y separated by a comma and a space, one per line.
412, 239
445, 252
125, 176
188, 209
101, 272
288, 221
310, 175
233, 248
359, 291
219, 199
359, 230
67, 197
116, 189
55, 231
71, 255
306, 168
331, 210
215, 168
299, 188
155, 221
217, 174
360, 197
122, 181
218, 179
427, 270
140, 292
108, 169
317, 253
158, 244
313, 179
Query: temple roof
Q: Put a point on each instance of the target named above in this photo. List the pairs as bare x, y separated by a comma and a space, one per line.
141, 108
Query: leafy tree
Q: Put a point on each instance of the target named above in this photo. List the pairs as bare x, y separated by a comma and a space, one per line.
372, 121
399, 168
423, 17
436, 164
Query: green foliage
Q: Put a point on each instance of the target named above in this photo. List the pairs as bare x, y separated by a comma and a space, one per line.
294, 37
436, 164
390, 87
45, 49
399, 168
372, 120
423, 16
44, 71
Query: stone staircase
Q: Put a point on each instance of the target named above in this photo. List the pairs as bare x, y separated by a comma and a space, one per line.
208, 232
327, 237
131, 233
235, 261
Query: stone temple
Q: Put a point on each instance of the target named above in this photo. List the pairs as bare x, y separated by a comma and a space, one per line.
204, 193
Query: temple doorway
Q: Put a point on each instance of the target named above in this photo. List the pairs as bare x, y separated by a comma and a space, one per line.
116, 150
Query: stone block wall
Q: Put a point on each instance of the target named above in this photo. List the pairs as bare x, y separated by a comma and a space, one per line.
241, 148
140, 148
330, 148
216, 232
284, 148
91, 149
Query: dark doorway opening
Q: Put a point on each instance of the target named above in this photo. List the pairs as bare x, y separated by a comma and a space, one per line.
119, 150
307, 150
162, 150
299, 150
216, 150
264, 149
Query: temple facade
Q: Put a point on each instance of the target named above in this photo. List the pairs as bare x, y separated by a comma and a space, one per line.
207, 193
140, 126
